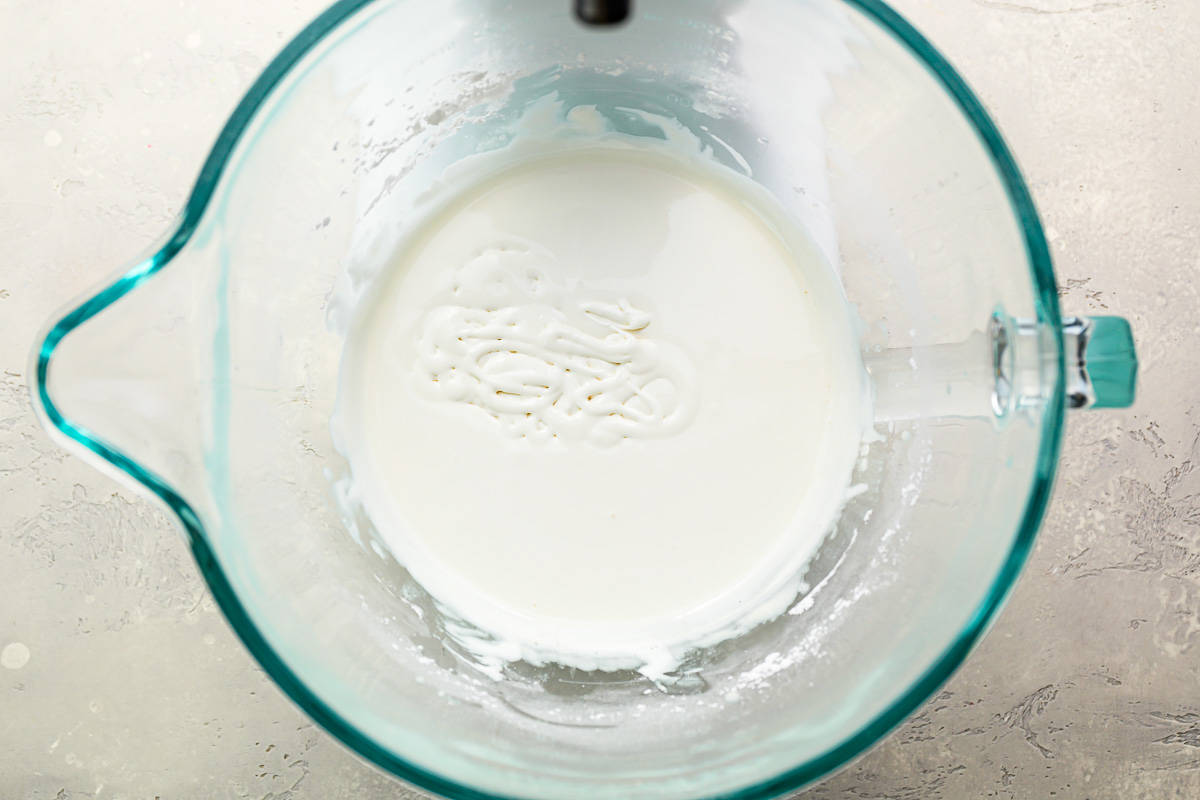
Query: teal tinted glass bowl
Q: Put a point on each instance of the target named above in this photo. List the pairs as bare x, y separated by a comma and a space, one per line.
205, 373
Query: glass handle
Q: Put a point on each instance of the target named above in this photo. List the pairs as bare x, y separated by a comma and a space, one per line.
1101, 363
1003, 371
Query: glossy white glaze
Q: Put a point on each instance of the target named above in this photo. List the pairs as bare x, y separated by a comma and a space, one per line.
604, 403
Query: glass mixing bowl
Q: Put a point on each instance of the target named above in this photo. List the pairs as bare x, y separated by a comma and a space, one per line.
206, 374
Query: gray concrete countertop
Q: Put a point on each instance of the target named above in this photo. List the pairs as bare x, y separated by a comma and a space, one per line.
119, 678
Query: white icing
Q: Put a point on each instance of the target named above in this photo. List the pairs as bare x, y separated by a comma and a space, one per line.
604, 402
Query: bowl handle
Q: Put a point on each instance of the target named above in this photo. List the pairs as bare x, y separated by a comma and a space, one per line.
1101, 363
1004, 370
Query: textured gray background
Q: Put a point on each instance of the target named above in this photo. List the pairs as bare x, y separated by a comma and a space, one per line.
118, 677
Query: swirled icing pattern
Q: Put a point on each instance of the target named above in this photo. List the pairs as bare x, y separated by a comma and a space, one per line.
546, 364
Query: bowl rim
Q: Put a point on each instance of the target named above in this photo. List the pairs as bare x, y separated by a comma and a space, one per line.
80, 439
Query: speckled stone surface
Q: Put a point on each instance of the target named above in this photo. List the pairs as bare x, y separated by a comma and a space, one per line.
119, 678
